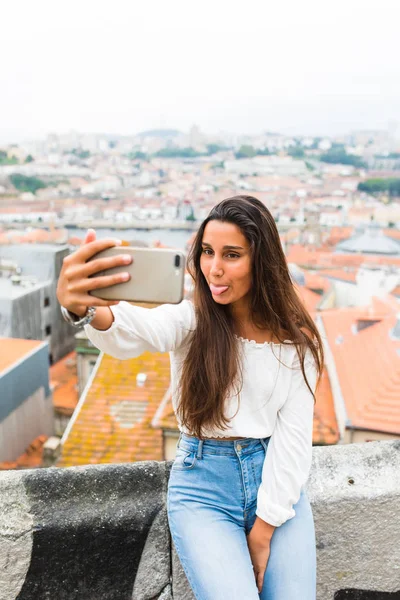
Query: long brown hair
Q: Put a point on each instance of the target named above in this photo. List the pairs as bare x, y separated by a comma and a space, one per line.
213, 361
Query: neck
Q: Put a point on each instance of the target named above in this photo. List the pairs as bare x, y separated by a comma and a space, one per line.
240, 312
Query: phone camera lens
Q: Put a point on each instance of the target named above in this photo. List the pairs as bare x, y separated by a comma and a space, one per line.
177, 260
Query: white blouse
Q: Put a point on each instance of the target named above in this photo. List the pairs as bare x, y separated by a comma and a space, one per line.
274, 400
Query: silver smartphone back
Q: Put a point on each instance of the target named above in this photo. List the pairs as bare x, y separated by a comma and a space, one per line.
157, 275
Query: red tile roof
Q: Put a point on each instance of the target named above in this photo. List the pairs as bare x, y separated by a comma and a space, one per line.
312, 257
64, 383
367, 362
310, 299
339, 274
30, 459
114, 422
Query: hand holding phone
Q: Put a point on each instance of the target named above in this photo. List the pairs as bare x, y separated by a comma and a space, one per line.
156, 275
75, 283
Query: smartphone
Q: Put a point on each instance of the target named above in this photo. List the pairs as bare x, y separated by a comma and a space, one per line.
157, 275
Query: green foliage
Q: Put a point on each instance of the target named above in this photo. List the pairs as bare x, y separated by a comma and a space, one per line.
338, 155
391, 155
246, 151
29, 158
214, 148
296, 151
4, 160
137, 156
309, 166
263, 152
178, 153
82, 154
390, 185
26, 184
315, 143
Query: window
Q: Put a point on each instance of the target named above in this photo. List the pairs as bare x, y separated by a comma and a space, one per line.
48, 330
47, 301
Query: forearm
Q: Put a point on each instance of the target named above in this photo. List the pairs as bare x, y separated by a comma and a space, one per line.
265, 528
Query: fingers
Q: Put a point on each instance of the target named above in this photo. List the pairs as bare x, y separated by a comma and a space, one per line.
101, 264
90, 236
96, 283
91, 248
260, 581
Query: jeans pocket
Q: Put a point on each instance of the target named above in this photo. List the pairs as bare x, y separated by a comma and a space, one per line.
184, 460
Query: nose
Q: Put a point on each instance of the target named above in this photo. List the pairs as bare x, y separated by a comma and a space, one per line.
216, 268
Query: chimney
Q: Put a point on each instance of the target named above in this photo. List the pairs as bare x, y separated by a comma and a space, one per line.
141, 379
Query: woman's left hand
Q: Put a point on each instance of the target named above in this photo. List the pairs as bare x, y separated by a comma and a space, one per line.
258, 541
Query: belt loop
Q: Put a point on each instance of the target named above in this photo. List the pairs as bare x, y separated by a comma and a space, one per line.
199, 449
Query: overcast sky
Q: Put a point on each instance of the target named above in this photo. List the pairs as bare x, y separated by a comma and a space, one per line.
295, 66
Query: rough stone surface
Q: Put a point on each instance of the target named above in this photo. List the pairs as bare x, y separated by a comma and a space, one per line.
90, 528
166, 594
15, 534
153, 574
354, 490
101, 532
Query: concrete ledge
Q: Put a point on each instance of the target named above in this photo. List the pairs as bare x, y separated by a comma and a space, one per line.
101, 532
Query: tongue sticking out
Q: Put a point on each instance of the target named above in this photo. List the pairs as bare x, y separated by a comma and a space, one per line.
217, 290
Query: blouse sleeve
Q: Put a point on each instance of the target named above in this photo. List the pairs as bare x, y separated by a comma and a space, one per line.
136, 329
289, 452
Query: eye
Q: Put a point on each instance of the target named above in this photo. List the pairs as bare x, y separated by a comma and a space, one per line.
233, 255
206, 251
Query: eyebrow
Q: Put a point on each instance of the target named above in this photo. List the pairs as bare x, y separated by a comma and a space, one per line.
225, 247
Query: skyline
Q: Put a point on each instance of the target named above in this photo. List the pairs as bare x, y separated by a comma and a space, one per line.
295, 69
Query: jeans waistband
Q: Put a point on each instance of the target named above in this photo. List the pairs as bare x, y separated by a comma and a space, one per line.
226, 447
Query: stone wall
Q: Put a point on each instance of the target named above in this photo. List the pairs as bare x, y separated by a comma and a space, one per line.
101, 532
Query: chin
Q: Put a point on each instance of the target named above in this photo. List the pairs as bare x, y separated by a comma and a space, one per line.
222, 300
219, 300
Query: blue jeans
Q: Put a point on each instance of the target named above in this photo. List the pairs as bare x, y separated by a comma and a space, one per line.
211, 503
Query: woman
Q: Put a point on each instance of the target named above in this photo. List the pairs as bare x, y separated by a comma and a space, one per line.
245, 358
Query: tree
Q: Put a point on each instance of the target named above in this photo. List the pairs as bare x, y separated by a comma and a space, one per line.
4, 160
245, 151
26, 184
213, 149
79, 153
137, 156
263, 152
296, 151
178, 153
378, 185
191, 216
337, 155
29, 158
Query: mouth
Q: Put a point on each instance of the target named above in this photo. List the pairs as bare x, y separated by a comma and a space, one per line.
217, 290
